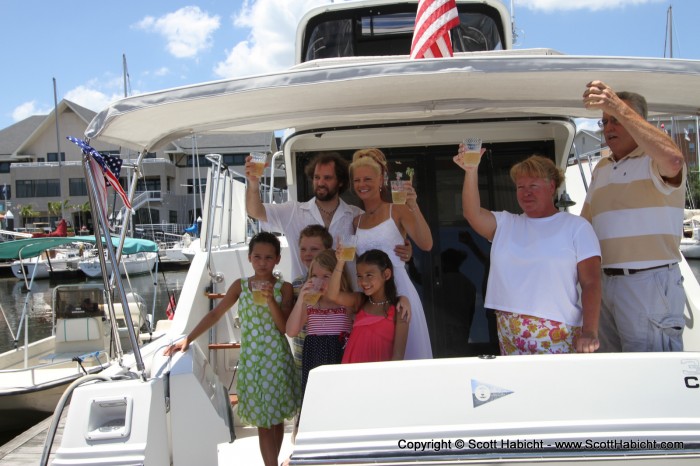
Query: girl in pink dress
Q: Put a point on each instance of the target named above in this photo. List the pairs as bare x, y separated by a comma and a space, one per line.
377, 334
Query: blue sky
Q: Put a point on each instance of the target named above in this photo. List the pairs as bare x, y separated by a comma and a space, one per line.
171, 43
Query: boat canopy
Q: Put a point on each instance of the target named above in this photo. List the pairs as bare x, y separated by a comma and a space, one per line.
345, 93
32, 247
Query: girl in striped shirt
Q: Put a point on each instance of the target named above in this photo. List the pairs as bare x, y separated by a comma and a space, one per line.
328, 324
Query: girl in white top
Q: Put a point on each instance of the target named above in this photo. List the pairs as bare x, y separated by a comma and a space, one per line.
537, 260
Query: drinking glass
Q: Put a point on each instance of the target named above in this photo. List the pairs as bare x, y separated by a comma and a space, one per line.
398, 191
348, 246
258, 159
472, 151
314, 294
259, 287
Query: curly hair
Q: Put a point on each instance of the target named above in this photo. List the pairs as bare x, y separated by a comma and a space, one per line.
339, 163
371, 157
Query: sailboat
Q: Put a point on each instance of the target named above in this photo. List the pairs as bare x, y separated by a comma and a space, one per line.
480, 408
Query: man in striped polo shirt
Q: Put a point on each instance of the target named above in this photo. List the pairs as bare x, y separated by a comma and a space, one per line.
635, 204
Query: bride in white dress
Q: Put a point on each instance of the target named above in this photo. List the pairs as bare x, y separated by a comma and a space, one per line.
384, 225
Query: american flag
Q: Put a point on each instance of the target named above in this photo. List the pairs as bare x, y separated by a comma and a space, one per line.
109, 165
431, 36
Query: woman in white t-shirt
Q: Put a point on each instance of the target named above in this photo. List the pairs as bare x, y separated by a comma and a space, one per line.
537, 259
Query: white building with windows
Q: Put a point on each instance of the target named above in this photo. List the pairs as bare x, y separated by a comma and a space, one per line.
38, 168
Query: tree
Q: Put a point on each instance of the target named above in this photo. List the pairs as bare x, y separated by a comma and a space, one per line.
83, 209
56, 208
27, 211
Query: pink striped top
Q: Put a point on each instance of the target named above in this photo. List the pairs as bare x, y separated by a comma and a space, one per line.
331, 321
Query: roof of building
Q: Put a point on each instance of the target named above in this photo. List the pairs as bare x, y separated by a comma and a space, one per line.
15, 137
12, 137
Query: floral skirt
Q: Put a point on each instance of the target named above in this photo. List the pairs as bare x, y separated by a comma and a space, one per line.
524, 334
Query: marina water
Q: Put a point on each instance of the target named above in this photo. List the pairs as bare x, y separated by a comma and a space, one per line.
13, 295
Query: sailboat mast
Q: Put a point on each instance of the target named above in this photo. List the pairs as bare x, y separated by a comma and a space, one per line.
58, 136
669, 29
125, 73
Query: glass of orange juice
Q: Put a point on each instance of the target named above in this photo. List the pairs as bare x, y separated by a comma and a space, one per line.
348, 246
259, 287
258, 159
314, 294
398, 191
472, 151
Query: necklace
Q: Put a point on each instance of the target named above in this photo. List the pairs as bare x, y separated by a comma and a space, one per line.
329, 213
379, 303
371, 212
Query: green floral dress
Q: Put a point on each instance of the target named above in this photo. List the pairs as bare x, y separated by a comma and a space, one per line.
268, 382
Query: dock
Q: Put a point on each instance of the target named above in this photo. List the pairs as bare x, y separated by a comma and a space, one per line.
28, 446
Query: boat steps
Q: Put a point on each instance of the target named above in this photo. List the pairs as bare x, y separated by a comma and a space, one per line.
233, 397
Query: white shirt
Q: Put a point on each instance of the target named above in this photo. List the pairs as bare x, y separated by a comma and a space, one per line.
291, 217
534, 265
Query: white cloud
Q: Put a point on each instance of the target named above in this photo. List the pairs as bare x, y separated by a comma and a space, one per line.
270, 44
91, 98
587, 124
188, 30
162, 71
593, 5
28, 109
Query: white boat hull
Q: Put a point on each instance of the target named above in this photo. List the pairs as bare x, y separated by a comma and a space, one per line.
44, 270
132, 265
30, 393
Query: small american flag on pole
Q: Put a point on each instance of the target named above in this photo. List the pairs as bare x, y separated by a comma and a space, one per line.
431, 36
109, 165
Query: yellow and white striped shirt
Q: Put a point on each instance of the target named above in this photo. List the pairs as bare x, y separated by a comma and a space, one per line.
636, 215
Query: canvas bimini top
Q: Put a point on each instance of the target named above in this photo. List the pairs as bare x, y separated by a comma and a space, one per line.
346, 92
32, 247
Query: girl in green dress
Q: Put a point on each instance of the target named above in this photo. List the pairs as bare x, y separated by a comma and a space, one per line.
268, 383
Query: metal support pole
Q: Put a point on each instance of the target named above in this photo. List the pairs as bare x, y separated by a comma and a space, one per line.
99, 209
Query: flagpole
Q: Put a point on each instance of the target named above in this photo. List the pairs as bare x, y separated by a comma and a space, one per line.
102, 225
58, 135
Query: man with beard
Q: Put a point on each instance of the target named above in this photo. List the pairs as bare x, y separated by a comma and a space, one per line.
328, 172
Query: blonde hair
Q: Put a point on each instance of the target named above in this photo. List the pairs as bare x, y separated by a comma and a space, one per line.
538, 166
369, 158
328, 261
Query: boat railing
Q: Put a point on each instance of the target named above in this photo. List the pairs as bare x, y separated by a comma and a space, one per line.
7, 322
30, 372
590, 157
215, 209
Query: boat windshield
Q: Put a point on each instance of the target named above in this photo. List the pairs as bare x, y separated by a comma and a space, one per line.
378, 32
72, 302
